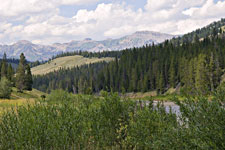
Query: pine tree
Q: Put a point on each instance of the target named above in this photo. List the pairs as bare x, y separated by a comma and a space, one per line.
146, 84
134, 80
190, 77
217, 72
4, 66
202, 82
211, 71
10, 73
20, 74
172, 79
161, 83
28, 79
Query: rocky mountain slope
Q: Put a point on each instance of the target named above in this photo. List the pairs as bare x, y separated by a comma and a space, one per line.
35, 52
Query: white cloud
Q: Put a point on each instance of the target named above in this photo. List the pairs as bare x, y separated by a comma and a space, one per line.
77, 2
40, 20
120, 31
153, 5
4, 26
10, 8
208, 10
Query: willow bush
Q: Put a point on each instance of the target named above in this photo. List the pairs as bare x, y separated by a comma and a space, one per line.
66, 121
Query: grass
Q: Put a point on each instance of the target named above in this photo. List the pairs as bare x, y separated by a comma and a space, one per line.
170, 94
18, 99
65, 62
140, 94
168, 97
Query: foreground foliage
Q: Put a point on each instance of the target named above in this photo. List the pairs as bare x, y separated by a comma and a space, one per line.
5, 88
65, 121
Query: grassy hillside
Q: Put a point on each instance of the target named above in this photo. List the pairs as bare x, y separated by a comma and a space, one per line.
18, 99
65, 62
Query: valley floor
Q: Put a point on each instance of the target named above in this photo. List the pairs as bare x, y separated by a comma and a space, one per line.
18, 99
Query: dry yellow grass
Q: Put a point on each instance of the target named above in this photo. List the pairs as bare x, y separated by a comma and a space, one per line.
141, 95
18, 99
65, 62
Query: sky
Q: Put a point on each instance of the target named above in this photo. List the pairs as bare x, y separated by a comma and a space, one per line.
52, 21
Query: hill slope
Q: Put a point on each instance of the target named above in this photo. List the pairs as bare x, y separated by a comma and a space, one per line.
35, 52
65, 62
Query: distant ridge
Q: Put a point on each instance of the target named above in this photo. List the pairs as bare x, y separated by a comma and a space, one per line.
35, 52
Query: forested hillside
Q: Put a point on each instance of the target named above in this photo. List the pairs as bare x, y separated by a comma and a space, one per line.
213, 29
195, 66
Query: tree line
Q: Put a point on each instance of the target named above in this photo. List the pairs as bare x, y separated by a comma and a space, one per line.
90, 54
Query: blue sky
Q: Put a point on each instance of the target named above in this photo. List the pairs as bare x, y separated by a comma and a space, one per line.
69, 11
50, 21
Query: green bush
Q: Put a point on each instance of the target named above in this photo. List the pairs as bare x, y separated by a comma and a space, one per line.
5, 88
204, 124
107, 122
59, 96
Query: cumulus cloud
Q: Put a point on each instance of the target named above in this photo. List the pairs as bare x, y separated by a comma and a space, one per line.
40, 21
78, 2
209, 9
153, 5
10, 8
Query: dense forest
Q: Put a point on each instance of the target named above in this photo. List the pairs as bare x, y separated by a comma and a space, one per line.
196, 66
90, 54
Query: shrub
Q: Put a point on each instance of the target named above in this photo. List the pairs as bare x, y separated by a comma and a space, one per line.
107, 122
59, 96
5, 88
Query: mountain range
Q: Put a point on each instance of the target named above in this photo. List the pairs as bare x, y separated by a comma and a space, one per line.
40, 52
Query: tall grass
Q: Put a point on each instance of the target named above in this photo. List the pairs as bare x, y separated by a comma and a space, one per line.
65, 121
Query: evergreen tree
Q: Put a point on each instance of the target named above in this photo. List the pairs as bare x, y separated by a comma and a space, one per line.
134, 80
21, 74
202, 82
189, 77
172, 80
10, 73
4, 66
211, 72
146, 84
161, 83
217, 72
28, 79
